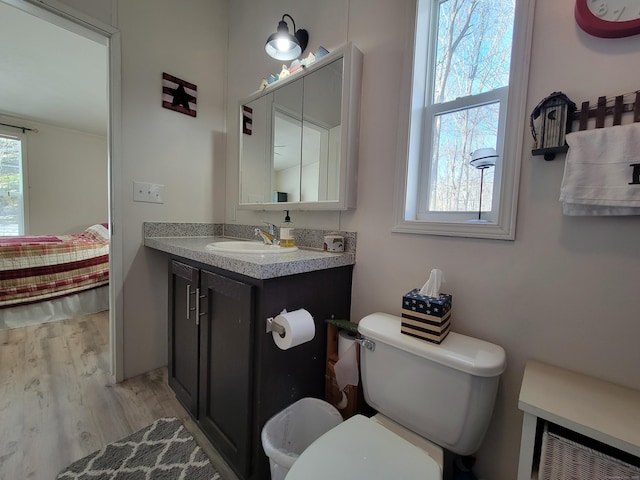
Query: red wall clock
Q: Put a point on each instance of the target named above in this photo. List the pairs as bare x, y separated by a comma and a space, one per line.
609, 18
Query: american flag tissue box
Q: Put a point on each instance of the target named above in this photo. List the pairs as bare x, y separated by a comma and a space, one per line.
424, 317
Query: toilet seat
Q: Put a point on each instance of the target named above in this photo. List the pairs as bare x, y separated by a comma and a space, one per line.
362, 448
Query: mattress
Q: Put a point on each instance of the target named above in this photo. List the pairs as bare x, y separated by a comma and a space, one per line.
34, 269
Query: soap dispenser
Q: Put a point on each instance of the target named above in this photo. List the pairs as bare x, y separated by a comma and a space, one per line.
286, 232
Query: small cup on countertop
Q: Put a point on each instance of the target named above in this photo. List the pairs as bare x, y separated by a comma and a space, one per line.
333, 243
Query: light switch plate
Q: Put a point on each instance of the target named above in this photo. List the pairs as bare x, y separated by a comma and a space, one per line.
148, 192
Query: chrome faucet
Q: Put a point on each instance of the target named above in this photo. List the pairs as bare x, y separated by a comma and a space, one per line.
268, 237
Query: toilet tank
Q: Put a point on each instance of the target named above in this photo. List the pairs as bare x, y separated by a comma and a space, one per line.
443, 392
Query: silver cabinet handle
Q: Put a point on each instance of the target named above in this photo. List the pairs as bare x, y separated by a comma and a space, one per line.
188, 300
198, 313
189, 293
197, 306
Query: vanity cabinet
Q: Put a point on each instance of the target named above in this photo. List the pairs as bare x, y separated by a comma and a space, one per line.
223, 366
210, 321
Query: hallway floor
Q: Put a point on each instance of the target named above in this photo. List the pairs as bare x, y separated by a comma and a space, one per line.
58, 402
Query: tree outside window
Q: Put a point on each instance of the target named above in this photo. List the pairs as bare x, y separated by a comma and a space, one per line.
467, 99
11, 187
466, 89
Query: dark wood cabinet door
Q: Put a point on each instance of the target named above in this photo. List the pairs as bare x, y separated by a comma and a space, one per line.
183, 334
226, 346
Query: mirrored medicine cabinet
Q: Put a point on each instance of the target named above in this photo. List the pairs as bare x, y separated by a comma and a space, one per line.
299, 138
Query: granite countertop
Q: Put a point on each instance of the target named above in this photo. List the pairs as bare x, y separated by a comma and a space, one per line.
260, 266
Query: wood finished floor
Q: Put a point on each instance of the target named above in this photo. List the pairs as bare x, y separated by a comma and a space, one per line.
58, 402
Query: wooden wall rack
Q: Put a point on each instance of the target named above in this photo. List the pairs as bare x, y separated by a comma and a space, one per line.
603, 108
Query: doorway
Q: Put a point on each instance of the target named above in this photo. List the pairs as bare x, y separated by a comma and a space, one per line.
107, 36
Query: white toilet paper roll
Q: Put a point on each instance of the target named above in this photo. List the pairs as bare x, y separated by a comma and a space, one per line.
298, 328
346, 368
345, 340
344, 401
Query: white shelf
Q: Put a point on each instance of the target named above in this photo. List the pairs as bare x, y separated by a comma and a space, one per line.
603, 411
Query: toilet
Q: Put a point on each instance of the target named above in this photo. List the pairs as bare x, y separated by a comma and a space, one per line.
429, 397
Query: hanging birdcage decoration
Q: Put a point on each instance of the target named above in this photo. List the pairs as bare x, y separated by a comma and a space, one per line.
550, 122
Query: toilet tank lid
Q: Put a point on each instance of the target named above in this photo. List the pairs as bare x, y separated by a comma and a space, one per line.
467, 354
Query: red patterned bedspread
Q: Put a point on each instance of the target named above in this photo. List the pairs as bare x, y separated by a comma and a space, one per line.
39, 268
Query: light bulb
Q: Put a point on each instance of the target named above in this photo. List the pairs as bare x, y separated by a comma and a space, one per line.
283, 44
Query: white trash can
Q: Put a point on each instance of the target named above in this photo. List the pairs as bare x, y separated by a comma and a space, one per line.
288, 433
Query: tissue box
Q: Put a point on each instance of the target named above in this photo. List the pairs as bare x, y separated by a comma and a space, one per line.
424, 317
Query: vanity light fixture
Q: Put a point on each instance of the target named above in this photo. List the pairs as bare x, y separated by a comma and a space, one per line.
284, 46
482, 159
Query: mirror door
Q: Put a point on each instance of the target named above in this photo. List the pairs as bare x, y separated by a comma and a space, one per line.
321, 134
287, 143
297, 141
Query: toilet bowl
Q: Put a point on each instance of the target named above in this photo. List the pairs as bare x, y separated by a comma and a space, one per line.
429, 398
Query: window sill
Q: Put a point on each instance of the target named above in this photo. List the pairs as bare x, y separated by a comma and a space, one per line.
463, 229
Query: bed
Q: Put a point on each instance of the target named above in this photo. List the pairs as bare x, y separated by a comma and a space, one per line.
40, 273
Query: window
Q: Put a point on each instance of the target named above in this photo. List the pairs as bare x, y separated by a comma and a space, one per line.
468, 77
12, 182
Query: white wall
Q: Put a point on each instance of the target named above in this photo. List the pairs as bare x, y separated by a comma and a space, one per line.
188, 40
564, 291
67, 176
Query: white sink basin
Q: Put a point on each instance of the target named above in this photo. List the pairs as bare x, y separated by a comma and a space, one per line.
248, 247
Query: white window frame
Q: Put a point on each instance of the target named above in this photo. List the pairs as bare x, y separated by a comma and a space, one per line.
410, 174
460, 104
22, 137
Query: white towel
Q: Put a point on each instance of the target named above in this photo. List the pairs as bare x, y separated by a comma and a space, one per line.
602, 172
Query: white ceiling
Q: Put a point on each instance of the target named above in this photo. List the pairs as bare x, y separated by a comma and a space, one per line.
50, 74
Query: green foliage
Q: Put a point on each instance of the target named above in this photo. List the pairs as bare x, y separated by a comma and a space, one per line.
10, 182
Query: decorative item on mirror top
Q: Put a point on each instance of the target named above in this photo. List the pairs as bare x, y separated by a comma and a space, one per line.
295, 66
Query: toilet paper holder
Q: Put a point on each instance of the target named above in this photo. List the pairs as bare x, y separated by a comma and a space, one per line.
272, 326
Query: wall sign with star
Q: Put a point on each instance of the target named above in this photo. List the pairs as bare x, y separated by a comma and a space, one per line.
179, 95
